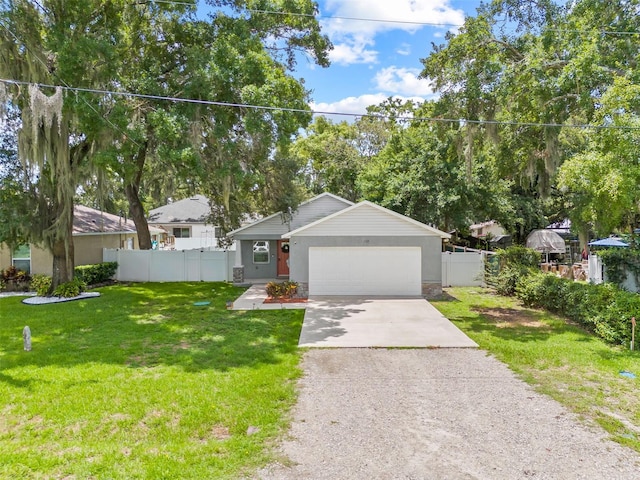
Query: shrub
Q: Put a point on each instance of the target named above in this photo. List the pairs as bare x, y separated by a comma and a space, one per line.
282, 289
518, 255
14, 280
13, 274
621, 262
513, 264
70, 289
9, 273
603, 309
98, 273
506, 280
41, 284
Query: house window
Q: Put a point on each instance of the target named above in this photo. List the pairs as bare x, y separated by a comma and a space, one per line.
21, 258
217, 232
182, 232
261, 251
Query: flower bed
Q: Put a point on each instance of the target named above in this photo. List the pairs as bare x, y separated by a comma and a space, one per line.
284, 300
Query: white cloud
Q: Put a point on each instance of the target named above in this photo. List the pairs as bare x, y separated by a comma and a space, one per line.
355, 105
354, 38
404, 49
353, 50
411, 12
402, 81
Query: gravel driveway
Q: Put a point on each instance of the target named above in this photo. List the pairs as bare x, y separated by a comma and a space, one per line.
435, 414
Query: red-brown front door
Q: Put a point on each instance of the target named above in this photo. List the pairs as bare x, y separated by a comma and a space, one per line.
283, 258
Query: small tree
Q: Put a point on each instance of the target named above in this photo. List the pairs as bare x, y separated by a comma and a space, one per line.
513, 264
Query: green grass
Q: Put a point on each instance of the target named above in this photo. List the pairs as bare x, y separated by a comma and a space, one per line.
560, 359
140, 383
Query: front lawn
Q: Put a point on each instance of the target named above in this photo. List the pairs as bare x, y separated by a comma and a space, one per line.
558, 358
142, 383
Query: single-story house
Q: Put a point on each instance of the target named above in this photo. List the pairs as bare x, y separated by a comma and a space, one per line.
490, 228
93, 230
331, 246
185, 224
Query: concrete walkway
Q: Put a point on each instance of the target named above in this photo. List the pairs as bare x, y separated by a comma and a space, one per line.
332, 322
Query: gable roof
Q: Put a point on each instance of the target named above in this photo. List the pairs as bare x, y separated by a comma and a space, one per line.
194, 209
88, 220
342, 222
307, 212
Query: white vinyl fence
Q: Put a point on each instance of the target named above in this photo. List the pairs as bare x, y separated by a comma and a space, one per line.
171, 266
596, 270
463, 269
459, 269
598, 274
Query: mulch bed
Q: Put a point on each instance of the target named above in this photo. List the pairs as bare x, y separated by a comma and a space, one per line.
284, 300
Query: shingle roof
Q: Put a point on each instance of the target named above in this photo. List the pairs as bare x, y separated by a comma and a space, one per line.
252, 224
195, 209
89, 220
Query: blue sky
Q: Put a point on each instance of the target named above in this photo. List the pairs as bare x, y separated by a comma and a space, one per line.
374, 60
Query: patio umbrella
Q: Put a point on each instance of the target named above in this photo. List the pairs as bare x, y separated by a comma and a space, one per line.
608, 242
546, 241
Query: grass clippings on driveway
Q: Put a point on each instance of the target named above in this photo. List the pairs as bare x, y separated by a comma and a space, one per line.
141, 383
558, 358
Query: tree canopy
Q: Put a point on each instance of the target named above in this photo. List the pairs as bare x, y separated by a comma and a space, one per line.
547, 100
535, 117
138, 137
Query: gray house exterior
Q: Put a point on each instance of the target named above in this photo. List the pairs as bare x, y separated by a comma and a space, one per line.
252, 265
356, 249
185, 224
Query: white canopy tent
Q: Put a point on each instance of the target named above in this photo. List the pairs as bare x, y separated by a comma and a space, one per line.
546, 241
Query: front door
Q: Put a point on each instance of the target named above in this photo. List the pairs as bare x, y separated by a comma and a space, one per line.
283, 258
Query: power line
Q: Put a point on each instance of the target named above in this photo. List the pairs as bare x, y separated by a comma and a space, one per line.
400, 22
325, 112
358, 19
66, 86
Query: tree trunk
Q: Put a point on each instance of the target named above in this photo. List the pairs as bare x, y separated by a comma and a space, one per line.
583, 237
131, 191
137, 215
63, 262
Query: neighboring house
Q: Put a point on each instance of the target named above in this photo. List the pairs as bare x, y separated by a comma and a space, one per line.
331, 246
93, 230
490, 228
185, 224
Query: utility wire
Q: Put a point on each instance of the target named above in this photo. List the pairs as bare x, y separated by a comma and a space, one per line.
381, 20
326, 112
65, 85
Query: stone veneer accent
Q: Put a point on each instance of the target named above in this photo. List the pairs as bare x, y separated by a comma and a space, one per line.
303, 290
238, 274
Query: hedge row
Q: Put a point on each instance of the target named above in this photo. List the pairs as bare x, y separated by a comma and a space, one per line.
603, 309
98, 273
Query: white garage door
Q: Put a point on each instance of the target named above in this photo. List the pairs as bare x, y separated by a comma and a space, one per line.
365, 271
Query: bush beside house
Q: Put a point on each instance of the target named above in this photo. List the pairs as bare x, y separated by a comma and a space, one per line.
604, 309
14, 280
285, 289
98, 273
84, 275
